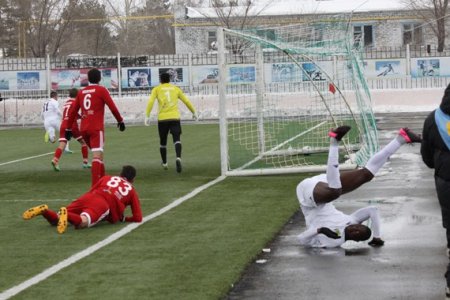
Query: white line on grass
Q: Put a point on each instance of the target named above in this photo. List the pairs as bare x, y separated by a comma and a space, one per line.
26, 158
113, 237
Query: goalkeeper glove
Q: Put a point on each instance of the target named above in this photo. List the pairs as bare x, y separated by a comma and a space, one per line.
121, 126
147, 121
195, 116
68, 134
328, 232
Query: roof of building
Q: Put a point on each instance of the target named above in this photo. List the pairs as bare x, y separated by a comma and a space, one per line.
301, 7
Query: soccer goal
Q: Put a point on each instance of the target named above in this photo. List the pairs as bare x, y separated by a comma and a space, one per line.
282, 89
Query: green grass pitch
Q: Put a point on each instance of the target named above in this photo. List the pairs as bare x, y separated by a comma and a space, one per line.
195, 251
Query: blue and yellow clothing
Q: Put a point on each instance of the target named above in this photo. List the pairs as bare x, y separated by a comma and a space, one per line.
168, 95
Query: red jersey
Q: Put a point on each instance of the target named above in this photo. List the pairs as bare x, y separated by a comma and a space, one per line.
91, 100
119, 193
66, 112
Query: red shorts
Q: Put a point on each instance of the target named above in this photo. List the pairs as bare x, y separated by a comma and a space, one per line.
91, 205
75, 131
94, 139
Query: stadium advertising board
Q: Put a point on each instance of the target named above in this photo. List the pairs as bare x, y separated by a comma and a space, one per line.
64, 79
22, 80
205, 74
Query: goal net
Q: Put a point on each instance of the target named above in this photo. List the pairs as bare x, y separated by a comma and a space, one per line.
282, 89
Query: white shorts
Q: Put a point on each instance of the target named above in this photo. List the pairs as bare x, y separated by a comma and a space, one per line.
52, 124
305, 190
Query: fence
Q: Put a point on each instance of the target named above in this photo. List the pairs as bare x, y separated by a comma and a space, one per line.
22, 106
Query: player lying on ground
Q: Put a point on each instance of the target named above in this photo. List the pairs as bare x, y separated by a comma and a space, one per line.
106, 200
327, 226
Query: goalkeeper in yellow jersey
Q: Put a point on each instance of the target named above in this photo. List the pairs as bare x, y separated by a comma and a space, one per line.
167, 95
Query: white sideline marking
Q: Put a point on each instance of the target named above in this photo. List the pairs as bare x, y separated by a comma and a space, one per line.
26, 158
113, 237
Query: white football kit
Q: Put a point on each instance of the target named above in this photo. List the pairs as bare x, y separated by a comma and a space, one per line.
52, 118
326, 215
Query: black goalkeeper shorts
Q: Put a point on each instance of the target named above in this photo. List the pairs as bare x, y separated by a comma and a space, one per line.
172, 126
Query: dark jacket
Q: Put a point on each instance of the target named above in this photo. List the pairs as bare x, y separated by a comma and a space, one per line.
434, 151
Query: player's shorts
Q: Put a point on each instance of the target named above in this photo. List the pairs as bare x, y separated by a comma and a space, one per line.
305, 190
172, 126
95, 139
52, 124
75, 131
91, 205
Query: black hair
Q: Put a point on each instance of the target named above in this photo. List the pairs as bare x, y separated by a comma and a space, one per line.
73, 92
164, 77
357, 232
366, 233
53, 94
94, 75
128, 172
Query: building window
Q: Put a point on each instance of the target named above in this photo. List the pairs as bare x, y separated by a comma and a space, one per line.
412, 34
363, 35
268, 34
212, 40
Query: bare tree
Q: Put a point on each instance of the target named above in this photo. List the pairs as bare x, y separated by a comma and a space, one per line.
434, 13
121, 13
44, 24
235, 14
142, 27
89, 31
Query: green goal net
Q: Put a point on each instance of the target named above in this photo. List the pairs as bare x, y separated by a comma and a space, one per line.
282, 89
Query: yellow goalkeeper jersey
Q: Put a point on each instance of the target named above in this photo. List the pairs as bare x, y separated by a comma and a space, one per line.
168, 95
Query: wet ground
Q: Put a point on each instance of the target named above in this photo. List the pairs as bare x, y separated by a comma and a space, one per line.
410, 265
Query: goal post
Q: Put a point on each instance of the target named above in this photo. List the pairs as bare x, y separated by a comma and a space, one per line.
280, 95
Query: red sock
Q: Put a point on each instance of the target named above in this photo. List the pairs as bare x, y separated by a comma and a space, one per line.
58, 153
84, 153
51, 216
74, 219
102, 170
96, 170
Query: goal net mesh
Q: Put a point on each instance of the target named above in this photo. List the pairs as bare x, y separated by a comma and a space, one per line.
284, 89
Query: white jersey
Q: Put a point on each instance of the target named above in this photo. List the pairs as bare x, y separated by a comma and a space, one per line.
326, 215
50, 109
320, 215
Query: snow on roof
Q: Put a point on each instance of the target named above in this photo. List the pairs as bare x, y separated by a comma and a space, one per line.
300, 7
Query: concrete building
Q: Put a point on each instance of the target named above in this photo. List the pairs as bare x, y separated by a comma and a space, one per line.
377, 23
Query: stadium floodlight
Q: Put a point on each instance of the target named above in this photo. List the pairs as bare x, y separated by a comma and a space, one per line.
282, 89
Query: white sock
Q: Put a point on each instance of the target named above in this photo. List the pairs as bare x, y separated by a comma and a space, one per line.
333, 176
379, 159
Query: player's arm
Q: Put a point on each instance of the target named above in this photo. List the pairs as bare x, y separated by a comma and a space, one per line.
113, 108
111, 105
370, 213
306, 236
186, 101
136, 211
151, 102
426, 150
148, 109
55, 108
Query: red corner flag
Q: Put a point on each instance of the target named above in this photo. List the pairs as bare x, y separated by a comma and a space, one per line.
332, 88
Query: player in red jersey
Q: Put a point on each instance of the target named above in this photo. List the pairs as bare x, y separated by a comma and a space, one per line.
106, 200
91, 100
75, 132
